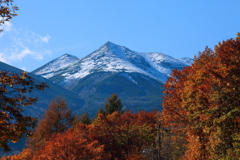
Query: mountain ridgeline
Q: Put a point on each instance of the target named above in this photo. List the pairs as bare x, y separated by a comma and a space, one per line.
44, 98
137, 78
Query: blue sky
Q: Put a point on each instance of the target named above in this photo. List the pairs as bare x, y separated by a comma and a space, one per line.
45, 29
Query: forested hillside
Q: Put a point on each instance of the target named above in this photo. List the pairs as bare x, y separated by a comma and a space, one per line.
200, 119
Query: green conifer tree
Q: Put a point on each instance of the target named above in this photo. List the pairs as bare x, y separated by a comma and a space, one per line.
112, 104
84, 119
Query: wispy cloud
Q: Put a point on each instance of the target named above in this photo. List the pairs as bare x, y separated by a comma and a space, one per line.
23, 68
20, 55
7, 26
45, 39
3, 58
39, 57
17, 44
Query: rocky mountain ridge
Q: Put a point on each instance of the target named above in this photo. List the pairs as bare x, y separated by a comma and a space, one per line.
136, 77
112, 58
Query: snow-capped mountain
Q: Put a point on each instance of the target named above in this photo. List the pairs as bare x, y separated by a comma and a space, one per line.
187, 61
136, 77
48, 69
112, 58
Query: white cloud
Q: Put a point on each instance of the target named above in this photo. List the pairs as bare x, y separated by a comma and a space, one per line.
3, 58
19, 56
23, 68
7, 26
45, 39
22, 43
39, 57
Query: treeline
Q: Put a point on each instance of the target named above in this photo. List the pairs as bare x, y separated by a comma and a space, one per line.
112, 134
202, 103
200, 119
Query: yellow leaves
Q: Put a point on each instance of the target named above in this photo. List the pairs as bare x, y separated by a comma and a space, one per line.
6, 115
1, 121
15, 124
209, 98
23, 77
2, 89
7, 10
25, 154
20, 99
14, 140
115, 136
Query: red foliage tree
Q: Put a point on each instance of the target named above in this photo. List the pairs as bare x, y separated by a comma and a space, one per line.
13, 124
26, 154
115, 136
69, 145
122, 135
203, 101
58, 118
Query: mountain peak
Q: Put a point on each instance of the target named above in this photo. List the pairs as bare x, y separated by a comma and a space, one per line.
66, 58
55, 65
67, 55
111, 45
111, 57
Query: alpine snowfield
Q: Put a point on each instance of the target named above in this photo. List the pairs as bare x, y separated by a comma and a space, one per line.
113, 58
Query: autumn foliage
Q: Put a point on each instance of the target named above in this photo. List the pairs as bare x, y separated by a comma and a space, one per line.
123, 134
70, 145
58, 118
114, 136
7, 11
202, 101
13, 123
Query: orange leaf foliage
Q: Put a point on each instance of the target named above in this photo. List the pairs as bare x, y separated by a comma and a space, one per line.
13, 89
203, 101
115, 136
70, 146
121, 134
24, 155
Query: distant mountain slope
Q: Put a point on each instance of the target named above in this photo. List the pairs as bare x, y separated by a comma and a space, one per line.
136, 91
136, 77
44, 98
187, 61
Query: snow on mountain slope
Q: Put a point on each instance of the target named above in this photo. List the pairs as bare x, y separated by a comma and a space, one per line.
187, 61
48, 69
113, 58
